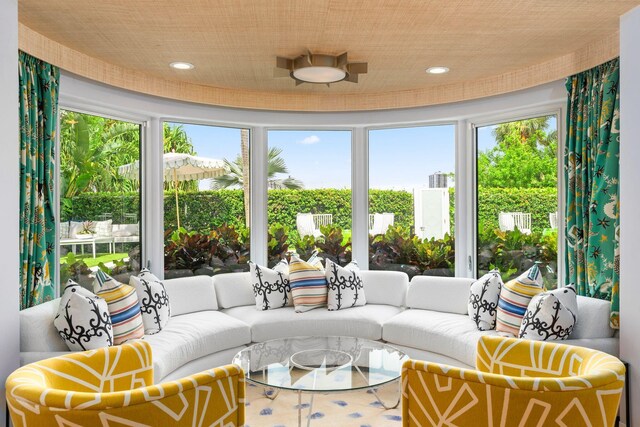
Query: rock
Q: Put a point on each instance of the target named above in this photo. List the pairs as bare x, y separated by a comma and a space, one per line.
174, 274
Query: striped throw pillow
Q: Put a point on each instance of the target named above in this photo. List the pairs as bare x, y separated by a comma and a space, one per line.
515, 296
124, 307
308, 285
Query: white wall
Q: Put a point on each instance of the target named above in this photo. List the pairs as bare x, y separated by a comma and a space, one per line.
630, 203
10, 330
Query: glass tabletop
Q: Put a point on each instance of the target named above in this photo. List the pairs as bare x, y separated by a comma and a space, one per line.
321, 363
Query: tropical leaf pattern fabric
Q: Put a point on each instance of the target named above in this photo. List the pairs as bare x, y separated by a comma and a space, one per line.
38, 121
591, 164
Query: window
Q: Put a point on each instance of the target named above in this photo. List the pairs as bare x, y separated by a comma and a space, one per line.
517, 197
411, 200
99, 222
206, 199
309, 194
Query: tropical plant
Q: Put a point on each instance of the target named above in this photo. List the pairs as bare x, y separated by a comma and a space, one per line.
277, 246
275, 167
176, 140
332, 245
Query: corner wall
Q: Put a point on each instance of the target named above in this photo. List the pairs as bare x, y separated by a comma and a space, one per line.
630, 203
9, 193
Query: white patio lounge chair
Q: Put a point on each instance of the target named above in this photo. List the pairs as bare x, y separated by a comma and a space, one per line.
508, 221
553, 219
306, 225
380, 222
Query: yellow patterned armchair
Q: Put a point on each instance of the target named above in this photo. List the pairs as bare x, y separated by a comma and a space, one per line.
517, 383
114, 386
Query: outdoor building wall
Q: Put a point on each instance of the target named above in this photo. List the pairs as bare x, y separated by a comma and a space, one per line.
10, 330
630, 203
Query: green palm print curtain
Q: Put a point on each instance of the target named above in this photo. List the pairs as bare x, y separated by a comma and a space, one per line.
591, 163
38, 120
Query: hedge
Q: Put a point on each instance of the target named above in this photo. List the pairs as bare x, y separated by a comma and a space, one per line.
205, 209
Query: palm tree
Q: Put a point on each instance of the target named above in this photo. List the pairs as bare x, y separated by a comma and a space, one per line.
528, 131
235, 176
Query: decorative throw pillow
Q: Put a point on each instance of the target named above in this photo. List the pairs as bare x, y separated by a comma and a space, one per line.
483, 300
515, 296
344, 286
83, 320
551, 315
124, 307
154, 301
271, 286
308, 285
103, 228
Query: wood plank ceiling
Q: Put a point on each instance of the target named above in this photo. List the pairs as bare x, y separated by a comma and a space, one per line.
491, 46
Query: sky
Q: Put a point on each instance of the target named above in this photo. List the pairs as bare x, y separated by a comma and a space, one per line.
400, 158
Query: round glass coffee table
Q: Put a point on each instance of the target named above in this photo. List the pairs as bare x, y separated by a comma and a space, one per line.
321, 365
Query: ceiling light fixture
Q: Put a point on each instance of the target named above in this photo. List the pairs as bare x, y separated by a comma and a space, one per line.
322, 69
182, 65
437, 70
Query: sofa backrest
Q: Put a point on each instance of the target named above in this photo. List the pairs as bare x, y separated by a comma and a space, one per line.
385, 287
191, 294
593, 319
445, 294
37, 332
233, 290
380, 287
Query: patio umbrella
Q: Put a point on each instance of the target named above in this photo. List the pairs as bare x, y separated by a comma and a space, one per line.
179, 167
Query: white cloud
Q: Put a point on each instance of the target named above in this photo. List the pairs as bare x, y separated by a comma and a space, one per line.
313, 139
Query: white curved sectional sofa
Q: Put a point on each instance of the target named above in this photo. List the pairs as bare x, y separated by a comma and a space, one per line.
212, 318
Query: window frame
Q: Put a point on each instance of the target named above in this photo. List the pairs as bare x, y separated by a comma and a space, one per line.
554, 109
107, 113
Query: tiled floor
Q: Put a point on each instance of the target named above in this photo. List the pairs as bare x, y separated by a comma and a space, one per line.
357, 409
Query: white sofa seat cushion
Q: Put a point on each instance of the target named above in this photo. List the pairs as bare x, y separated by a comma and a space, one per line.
194, 335
362, 322
450, 334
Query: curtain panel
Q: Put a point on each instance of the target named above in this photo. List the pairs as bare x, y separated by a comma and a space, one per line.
591, 162
38, 121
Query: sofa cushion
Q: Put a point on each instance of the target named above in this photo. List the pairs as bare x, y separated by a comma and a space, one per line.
344, 286
450, 334
124, 307
271, 286
194, 335
233, 289
191, 294
385, 287
308, 285
446, 294
363, 322
550, 315
154, 302
593, 319
83, 319
483, 300
37, 332
515, 296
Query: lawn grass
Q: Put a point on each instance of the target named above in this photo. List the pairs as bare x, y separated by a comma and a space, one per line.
100, 257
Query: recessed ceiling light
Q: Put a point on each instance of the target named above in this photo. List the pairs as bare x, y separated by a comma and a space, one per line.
182, 66
437, 70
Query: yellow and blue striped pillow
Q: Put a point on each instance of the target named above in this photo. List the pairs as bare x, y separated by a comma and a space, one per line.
308, 285
515, 296
124, 307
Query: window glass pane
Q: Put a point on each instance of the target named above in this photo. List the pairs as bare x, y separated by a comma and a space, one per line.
309, 196
206, 199
99, 204
518, 197
411, 200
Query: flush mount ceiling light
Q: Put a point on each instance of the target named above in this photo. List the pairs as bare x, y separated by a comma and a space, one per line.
437, 70
182, 65
323, 69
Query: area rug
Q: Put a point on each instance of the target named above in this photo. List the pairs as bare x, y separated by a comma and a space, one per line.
357, 409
